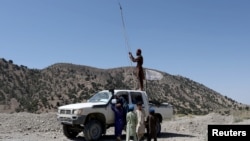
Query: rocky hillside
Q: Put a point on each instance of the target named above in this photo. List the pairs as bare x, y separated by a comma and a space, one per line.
38, 91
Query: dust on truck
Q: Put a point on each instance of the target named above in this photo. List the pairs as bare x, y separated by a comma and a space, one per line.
95, 116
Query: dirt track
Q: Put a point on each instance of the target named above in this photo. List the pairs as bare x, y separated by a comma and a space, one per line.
44, 127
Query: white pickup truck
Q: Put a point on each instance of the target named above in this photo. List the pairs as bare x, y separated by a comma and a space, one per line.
95, 116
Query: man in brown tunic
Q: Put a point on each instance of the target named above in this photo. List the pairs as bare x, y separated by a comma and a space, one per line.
151, 125
139, 68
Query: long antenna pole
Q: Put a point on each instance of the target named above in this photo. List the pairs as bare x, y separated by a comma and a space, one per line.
124, 29
125, 36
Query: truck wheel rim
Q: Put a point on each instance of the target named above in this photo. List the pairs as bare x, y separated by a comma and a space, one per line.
95, 131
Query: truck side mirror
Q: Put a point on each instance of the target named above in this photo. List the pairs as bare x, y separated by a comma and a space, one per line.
113, 101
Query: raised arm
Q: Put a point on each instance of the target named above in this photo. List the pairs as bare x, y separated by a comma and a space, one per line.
132, 57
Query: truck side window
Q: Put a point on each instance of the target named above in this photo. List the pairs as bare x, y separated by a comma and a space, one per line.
124, 95
136, 97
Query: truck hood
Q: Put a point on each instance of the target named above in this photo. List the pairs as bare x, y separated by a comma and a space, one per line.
81, 105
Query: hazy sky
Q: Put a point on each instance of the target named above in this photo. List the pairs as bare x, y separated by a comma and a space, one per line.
206, 41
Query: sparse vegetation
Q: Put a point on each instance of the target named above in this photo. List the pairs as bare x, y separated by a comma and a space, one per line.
240, 116
44, 90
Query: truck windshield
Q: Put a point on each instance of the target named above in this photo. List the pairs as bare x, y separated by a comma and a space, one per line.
100, 97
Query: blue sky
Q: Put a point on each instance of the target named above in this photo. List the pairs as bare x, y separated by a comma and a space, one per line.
206, 41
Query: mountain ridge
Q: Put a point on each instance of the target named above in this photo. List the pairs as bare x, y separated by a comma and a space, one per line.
43, 90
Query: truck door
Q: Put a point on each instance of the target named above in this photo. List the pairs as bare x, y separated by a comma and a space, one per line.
123, 96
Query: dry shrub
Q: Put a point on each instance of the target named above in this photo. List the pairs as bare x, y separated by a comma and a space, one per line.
241, 115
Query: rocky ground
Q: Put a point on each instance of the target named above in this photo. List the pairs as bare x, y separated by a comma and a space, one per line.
44, 127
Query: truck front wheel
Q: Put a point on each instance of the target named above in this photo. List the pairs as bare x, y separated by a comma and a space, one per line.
69, 132
93, 130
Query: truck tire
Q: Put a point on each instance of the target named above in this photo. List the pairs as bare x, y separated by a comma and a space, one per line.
93, 130
68, 132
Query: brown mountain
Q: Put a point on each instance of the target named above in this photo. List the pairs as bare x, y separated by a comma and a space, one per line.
34, 90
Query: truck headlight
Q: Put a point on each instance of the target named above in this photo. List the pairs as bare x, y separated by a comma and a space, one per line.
78, 112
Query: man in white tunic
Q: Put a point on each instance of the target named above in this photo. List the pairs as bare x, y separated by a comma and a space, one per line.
141, 115
131, 123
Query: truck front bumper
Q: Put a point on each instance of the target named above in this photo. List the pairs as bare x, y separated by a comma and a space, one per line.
71, 119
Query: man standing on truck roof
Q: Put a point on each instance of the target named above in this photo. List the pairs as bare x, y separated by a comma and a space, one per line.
139, 68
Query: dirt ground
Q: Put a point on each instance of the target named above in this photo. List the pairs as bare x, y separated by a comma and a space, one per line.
44, 127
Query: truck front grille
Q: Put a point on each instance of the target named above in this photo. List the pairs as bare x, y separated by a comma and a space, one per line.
65, 111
